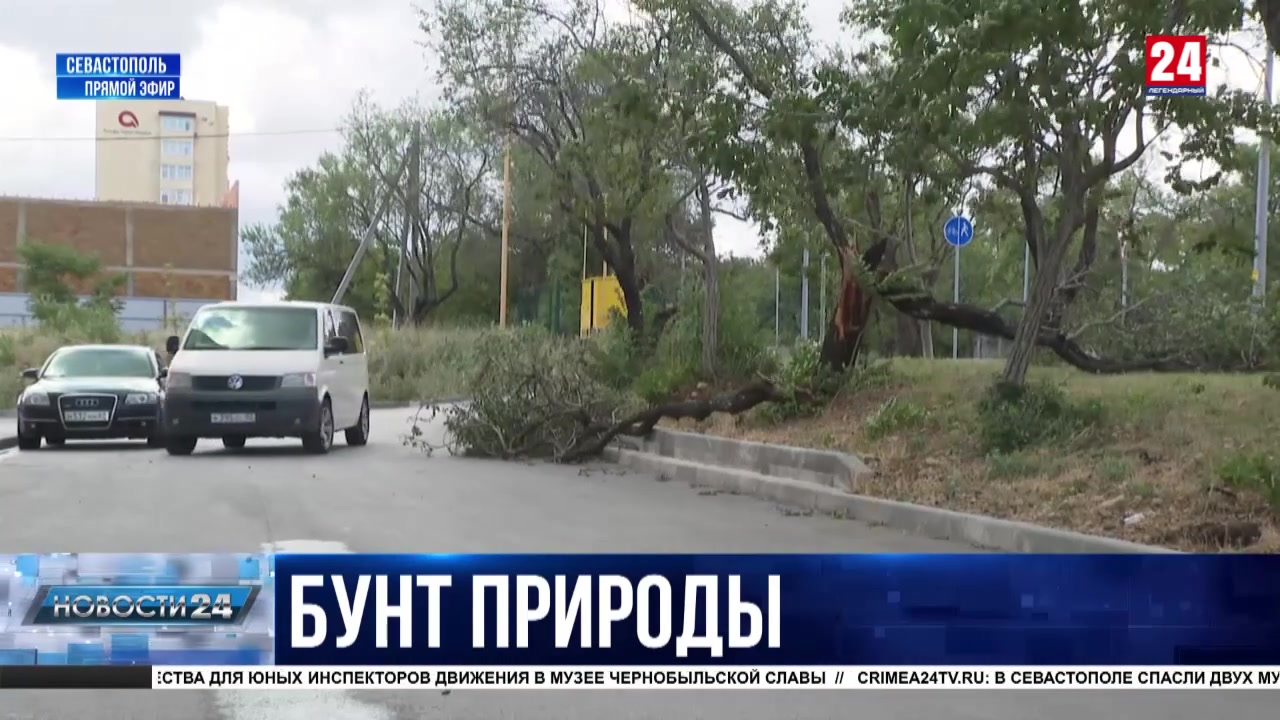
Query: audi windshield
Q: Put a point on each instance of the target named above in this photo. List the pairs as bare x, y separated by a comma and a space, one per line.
254, 328
99, 362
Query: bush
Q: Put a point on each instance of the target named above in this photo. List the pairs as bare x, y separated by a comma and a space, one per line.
1013, 418
414, 364
895, 416
1253, 471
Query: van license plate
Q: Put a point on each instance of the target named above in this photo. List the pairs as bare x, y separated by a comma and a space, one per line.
232, 418
86, 415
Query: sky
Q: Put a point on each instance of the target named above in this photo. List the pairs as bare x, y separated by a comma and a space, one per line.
287, 69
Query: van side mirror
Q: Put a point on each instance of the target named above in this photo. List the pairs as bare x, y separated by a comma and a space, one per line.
31, 374
172, 344
164, 373
336, 346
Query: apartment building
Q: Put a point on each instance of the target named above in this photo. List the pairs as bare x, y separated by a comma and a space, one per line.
173, 152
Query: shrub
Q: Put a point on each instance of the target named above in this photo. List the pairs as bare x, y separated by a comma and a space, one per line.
414, 364
894, 416
1253, 471
1013, 418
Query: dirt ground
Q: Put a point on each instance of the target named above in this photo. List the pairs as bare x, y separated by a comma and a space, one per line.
1183, 461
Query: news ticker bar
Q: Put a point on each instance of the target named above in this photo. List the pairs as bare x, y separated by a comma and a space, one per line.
142, 677
119, 76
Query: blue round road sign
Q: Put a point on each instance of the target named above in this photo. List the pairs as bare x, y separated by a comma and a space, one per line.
958, 231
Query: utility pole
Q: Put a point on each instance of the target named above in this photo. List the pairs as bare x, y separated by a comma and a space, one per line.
1263, 193
506, 227
367, 240
804, 294
822, 296
777, 306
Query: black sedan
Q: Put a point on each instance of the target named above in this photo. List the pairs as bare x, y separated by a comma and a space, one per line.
93, 392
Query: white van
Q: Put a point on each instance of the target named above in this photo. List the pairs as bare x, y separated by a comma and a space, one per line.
279, 369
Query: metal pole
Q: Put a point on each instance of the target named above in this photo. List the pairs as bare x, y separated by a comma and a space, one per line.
1260, 210
822, 297
1026, 273
368, 234
804, 295
1124, 278
506, 227
955, 297
777, 306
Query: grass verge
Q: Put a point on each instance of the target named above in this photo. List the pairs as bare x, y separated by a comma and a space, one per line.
1184, 461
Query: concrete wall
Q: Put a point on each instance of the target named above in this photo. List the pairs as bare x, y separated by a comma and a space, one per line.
165, 251
138, 313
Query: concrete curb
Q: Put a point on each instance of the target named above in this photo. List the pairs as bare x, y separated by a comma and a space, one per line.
825, 481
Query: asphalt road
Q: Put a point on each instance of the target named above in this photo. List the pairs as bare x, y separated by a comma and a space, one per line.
387, 497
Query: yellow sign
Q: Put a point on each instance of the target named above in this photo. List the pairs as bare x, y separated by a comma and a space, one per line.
600, 297
1255, 275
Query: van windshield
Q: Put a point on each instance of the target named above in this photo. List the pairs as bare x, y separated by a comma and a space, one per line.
253, 328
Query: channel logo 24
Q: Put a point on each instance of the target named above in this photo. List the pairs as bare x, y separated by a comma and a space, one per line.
1176, 65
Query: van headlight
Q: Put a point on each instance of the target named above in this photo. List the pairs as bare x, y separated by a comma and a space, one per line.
297, 380
140, 399
35, 398
177, 380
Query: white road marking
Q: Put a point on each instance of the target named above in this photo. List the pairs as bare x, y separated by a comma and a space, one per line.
296, 704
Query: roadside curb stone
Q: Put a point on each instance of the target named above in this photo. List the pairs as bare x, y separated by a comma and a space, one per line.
827, 481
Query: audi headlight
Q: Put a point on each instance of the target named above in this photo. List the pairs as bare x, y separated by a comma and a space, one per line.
178, 380
35, 398
140, 399
296, 380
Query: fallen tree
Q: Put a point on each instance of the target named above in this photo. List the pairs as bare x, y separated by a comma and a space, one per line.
539, 396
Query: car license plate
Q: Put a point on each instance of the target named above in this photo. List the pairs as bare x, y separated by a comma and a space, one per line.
86, 415
232, 418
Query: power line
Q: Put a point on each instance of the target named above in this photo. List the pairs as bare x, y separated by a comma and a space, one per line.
92, 138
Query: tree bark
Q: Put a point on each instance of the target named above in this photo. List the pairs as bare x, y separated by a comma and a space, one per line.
710, 280
852, 311
1027, 335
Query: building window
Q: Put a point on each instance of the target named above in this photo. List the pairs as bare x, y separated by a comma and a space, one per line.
173, 171
175, 197
175, 123
176, 148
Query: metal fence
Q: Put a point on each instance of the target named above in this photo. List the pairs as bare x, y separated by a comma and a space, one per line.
136, 315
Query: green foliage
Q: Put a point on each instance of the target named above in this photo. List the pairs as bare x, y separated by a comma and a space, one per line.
803, 380
895, 416
54, 275
1256, 471
1013, 466
531, 395
1013, 418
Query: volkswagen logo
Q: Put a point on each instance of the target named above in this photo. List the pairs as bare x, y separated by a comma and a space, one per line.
235, 382
86, 402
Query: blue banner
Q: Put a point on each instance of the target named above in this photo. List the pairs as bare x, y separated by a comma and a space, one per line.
136, 609
777, 610
118, 65
119, 88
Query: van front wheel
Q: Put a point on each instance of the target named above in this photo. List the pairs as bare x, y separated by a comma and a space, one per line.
320, 440
359, 434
